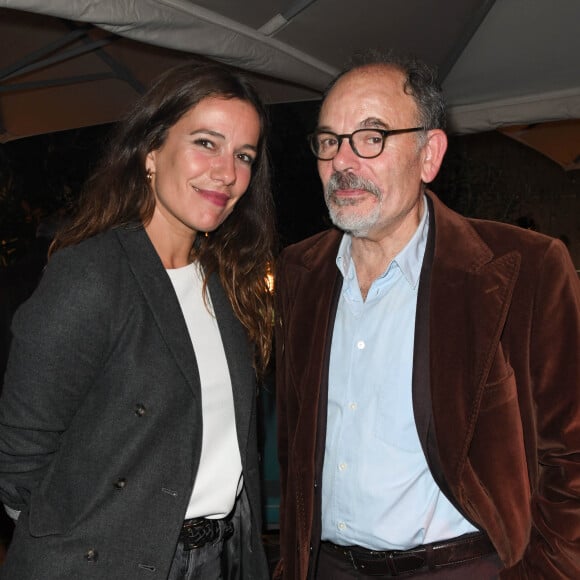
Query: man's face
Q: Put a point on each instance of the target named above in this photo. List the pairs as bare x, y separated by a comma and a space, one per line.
379, 197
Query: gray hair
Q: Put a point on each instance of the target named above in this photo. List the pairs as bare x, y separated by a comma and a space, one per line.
420, 82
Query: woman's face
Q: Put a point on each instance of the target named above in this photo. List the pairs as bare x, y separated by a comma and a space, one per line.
204, 167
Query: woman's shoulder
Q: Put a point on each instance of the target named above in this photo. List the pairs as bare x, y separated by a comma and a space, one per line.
95, 263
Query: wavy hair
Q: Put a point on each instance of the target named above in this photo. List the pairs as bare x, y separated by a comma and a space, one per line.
240, 250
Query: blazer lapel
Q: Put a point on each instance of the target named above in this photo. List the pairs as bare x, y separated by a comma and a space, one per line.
161, 299
239, 357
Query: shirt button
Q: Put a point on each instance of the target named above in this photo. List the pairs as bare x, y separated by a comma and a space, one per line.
360, 344
353, 406
342, 466
121, 483
341, 526
140, 410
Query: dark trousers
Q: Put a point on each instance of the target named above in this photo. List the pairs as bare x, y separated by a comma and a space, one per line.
200, 564
484, 568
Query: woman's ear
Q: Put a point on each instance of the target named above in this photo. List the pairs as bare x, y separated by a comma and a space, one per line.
433, 153
150, 163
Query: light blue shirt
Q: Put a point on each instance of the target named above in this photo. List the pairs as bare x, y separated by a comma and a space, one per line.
377, 491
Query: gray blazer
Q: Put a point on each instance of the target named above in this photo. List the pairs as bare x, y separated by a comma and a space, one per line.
101, 422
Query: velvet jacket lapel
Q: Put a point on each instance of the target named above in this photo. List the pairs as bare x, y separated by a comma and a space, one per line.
470, 294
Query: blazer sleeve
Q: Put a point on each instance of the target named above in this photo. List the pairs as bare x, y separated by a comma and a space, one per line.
60, 338
554, 548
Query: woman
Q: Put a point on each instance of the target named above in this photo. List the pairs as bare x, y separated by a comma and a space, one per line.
128, 418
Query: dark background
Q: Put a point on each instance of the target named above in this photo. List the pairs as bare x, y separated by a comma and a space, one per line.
485, 175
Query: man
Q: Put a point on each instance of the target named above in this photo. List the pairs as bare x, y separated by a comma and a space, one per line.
428, 370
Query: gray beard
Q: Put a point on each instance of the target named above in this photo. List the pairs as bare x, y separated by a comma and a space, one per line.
357, 225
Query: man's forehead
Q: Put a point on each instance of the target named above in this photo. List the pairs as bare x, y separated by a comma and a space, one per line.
374, 75
368, 92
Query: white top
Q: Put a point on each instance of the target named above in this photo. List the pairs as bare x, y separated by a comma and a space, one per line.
219, 476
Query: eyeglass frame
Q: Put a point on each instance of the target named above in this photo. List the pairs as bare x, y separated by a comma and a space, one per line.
341, 137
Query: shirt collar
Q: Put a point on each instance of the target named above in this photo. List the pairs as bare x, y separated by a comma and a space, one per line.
409, 260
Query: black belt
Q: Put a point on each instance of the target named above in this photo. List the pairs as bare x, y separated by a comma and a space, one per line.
198, 532
429, 556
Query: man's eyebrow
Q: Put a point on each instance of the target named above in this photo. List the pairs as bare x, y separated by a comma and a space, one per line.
324, 128
368, 123
373, 122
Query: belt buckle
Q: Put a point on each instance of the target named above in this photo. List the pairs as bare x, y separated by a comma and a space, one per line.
192, 543
390, 561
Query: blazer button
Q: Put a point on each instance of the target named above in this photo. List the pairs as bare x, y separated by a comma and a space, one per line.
121, 483
140, 410
91, 555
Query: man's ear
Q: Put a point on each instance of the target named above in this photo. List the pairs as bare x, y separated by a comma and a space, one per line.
433, 153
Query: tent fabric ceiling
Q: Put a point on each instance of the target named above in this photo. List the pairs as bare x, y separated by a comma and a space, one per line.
502, 62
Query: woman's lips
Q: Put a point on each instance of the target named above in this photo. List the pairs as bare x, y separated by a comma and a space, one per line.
216, 197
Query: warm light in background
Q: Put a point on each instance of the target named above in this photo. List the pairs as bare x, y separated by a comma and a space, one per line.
270, 279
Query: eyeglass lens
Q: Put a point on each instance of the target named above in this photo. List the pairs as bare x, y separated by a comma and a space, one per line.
365, 143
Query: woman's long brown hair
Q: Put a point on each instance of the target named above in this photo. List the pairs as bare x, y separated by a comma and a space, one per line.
118, 193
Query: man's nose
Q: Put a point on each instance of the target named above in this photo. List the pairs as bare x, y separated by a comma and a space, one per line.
345, 157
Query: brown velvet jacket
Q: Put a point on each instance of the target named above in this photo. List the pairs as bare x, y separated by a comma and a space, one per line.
496, 388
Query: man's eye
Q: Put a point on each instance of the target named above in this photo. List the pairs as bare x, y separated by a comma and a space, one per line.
370, 138
326, 142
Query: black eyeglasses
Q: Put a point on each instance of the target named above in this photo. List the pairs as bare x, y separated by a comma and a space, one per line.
366, 143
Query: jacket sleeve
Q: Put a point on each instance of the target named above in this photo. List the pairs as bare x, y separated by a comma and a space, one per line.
59, 345
553, 551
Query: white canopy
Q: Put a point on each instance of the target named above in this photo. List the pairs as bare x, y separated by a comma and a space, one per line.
502, 62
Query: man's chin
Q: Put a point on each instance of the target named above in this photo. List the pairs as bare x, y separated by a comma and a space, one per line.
355, 227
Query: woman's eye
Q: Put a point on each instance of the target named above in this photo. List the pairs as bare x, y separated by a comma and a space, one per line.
246, 158
205, 143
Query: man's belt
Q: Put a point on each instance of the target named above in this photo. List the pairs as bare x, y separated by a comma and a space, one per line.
429, 556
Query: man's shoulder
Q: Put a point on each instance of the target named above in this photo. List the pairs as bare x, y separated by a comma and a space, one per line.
500, 234
319, 246
498, 237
